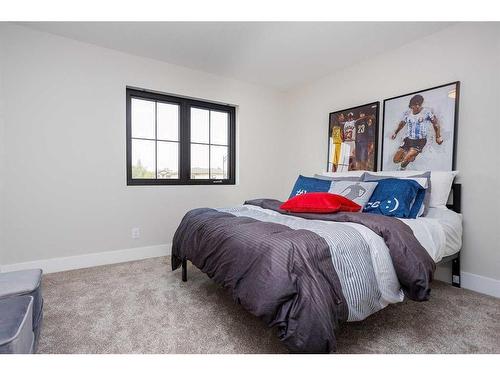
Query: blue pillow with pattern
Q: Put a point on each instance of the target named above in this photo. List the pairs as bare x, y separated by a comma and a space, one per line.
310, 185
394, 197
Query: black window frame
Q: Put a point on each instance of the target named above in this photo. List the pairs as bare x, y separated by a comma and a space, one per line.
185, 105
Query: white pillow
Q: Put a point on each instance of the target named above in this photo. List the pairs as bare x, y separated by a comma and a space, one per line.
343, 174
422, 181
399, 174
357, 191
419, 180
441, 182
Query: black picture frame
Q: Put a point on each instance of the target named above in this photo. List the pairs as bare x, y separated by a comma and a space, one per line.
373, 107
454, 127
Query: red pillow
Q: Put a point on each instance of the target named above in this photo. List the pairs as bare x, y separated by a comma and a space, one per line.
320, 203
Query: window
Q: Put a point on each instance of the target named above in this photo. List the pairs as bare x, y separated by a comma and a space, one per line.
178, 141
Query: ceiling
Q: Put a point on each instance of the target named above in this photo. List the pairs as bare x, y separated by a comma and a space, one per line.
274, 54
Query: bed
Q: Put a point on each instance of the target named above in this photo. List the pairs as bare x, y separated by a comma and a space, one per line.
307, 273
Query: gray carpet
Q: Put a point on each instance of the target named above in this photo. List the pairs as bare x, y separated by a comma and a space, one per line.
143, 307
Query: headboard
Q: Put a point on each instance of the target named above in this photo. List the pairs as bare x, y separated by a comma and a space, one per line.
456, 198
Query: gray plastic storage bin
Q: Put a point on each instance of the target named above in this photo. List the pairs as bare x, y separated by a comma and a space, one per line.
16, 330
25, 283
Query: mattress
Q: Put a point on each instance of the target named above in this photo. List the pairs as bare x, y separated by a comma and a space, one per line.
440, 232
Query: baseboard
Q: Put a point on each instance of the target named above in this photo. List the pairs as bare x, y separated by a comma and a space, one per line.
91, 260
480, 284
470, 281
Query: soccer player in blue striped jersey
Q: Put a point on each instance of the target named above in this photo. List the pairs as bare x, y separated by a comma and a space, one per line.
418, 120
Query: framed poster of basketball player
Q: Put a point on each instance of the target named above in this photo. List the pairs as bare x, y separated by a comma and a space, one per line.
352, 138
419, 129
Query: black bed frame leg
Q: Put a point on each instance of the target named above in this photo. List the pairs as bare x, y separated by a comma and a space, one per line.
455, 272
184, 270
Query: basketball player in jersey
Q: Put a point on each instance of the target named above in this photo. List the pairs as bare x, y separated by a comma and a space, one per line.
418, 120
350, 136
337, 142
365, 134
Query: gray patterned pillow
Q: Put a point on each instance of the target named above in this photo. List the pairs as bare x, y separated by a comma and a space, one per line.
357, 191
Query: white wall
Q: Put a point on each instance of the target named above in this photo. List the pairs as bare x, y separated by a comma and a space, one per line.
469, 53
64, 172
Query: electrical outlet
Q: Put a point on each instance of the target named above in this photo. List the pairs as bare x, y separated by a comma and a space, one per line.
136, 233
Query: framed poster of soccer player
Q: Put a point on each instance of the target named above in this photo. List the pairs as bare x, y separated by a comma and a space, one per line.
352, 138
419, 129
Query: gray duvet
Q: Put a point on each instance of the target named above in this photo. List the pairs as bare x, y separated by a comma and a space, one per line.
286, 276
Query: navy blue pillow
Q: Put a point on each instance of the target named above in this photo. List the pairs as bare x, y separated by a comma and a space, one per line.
423, 195
310, 185
394, 197
419, 200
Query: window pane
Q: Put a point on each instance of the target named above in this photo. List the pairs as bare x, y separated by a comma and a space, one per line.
218, 127
143, 119
218, 162
168, 159
143, 158
168, 121
199, 161
199, 125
